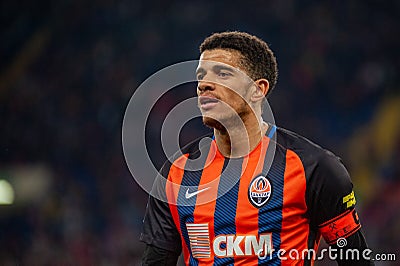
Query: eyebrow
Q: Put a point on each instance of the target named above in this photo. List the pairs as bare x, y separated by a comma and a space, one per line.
200, 70
216, 68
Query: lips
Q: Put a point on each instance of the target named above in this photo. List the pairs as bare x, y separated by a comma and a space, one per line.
207, 102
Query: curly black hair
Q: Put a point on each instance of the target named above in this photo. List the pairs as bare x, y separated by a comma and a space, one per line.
257, 58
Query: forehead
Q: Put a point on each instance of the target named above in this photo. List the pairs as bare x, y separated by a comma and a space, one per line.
229, 57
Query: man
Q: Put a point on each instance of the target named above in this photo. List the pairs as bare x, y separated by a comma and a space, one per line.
254, 194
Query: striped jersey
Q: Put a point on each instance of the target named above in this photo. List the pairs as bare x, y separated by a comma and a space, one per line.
270, 207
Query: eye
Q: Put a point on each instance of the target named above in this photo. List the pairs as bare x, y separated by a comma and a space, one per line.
224, 74
200, 76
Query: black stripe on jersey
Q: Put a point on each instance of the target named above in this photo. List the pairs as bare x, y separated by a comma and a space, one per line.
226, 204
270, 215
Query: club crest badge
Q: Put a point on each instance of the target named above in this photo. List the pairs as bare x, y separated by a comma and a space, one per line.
260, 190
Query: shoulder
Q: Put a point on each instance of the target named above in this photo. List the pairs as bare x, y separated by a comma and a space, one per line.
191, 151
299, 144
329, 189
315, 159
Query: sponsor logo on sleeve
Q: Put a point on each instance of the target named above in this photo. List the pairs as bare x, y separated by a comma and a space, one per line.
349, 200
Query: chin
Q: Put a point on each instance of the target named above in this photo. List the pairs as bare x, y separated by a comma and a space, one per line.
212, 123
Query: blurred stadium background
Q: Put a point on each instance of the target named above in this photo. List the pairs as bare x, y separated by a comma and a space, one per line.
69, 68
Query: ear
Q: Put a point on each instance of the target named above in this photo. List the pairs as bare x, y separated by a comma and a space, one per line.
262, 87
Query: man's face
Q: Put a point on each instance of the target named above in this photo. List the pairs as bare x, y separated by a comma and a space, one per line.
223, 88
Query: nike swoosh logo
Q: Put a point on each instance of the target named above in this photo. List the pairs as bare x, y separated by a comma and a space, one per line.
189, 195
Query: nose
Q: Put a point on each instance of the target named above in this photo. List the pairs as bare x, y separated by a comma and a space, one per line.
203, 86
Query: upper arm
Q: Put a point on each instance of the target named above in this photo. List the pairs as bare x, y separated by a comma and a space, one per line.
154, 256
331, 200
159, 229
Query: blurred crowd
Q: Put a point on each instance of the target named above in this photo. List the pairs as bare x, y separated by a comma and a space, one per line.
69, 68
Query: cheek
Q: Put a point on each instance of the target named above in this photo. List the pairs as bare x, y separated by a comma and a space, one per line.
236, 98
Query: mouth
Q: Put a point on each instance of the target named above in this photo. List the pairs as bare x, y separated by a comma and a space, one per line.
207, 102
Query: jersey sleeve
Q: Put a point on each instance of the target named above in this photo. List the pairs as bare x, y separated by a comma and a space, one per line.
331, 200
159, 229
154, 256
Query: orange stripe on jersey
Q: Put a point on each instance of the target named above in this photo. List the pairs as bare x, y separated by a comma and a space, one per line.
295, 229
246, 213
205, 202
343, 225
175, 176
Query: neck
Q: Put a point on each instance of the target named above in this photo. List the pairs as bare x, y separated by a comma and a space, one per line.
239, 140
